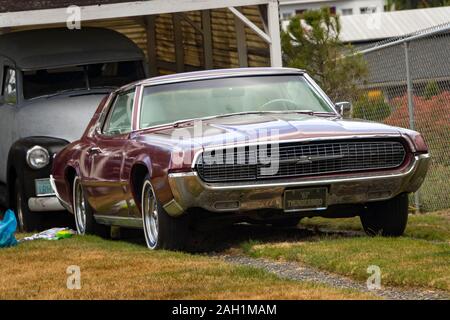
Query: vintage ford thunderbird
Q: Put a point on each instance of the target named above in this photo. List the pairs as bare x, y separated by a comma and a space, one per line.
255, 145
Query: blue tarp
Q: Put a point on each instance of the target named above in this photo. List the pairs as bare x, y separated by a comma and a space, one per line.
7, 229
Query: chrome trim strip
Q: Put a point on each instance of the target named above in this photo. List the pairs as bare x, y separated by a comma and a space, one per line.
130, 222
65, 204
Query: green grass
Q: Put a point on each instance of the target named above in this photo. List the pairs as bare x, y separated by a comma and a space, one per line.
435, 191
430, 226
124, 270
403, 261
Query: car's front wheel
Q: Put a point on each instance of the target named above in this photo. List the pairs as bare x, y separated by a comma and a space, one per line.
26, 220
84, 214
161, 230
387, 218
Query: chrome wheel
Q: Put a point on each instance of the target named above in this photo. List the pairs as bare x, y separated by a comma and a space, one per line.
19, 211
79, 204
150, 216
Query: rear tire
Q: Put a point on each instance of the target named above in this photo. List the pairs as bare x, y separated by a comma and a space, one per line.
27, 221
161, 230
84, 214
387, 218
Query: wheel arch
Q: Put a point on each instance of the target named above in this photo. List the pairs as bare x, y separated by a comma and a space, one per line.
137, 178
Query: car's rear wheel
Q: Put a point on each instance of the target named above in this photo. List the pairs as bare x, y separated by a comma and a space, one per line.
27, 220
387, 218
161, 230
84, 214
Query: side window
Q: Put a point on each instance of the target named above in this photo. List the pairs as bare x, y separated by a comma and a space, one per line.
120, 114
9, 91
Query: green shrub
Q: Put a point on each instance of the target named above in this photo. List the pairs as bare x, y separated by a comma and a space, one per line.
431, 90
375, 109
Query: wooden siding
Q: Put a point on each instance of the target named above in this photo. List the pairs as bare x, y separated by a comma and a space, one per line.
224, 43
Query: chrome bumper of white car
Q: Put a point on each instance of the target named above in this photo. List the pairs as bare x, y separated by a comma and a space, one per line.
190, 191
44, 204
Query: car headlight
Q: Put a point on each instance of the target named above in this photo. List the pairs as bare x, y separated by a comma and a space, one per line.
38, 157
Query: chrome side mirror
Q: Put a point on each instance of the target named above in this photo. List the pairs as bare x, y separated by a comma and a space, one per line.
343, 108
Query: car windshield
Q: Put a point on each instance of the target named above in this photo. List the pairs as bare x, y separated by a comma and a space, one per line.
37, 83
205, 98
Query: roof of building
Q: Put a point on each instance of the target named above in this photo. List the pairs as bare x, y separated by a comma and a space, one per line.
57, 47
11, 6
384, 25
429, 60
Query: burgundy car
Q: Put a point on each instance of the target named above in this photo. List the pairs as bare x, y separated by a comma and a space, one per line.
255, 145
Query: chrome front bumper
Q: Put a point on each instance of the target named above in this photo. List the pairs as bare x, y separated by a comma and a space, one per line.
190, 191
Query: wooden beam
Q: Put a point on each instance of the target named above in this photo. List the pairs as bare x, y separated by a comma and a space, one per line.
207, 39
178, 41
241, 42
192, 23
118, 10
250, 24
151, 45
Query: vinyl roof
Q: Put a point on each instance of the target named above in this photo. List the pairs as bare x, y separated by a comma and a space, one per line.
220, 73
57, 47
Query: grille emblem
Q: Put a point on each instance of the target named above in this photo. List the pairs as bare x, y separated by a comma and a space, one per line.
311, 159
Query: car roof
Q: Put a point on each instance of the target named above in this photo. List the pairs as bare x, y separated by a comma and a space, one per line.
213, 74
58, 47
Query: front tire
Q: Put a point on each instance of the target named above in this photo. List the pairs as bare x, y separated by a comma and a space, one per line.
161, 230
27, 221
387, 218
84, 214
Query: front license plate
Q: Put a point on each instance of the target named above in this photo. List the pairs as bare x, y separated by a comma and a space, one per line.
305, 199
43, 187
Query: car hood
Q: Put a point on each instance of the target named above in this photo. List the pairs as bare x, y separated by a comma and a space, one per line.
255, 127
64, 117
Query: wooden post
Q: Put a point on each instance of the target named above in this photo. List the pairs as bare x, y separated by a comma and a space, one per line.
151, 45
207, 39
178, 39
241, 42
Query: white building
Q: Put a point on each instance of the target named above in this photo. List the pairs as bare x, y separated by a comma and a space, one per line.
289, 8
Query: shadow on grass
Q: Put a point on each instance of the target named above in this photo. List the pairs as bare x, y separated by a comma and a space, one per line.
221, 239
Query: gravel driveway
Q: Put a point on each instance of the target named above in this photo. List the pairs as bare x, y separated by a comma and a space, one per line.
295, 271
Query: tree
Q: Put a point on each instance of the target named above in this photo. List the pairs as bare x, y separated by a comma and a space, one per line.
311, 42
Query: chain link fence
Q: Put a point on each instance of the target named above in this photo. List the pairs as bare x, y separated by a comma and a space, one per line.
408, 85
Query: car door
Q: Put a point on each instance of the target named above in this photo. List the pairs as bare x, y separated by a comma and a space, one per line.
8, 106
105, 186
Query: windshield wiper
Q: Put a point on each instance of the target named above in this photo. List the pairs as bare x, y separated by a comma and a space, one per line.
225, 115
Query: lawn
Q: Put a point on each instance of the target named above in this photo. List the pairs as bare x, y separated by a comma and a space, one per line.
430, 226
419, 259
126, 270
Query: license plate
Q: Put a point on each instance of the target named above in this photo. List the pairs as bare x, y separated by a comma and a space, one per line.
305, 199
43, 187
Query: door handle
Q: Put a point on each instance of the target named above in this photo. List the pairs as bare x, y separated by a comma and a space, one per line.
94, 150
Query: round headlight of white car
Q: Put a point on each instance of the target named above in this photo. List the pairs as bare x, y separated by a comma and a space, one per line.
38, 157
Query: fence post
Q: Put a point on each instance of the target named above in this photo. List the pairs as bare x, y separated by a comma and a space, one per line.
410, 92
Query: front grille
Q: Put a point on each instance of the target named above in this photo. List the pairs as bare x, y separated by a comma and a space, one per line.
298, 159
